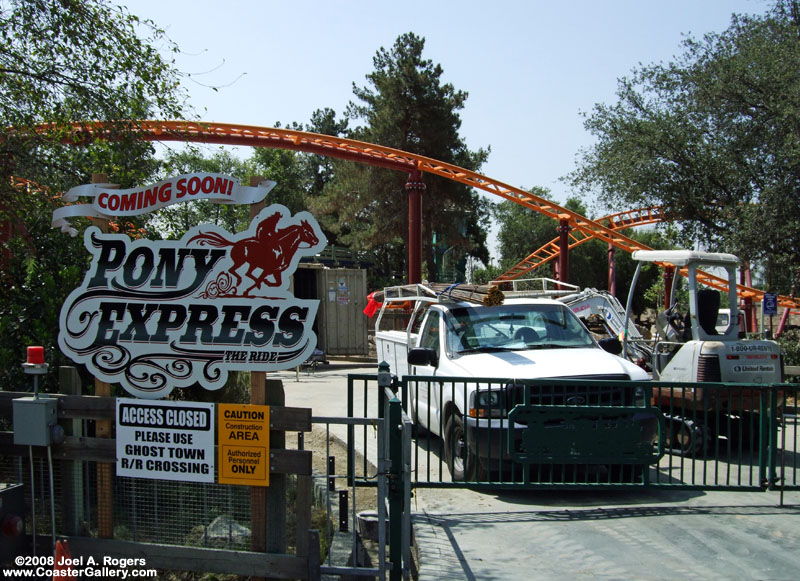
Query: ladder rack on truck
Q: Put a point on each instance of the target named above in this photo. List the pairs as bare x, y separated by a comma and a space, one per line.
418, 294
422, 294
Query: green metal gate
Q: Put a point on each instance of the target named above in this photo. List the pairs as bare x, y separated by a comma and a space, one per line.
504, 434
576, 434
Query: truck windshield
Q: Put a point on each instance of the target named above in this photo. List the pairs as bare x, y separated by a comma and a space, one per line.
514, 327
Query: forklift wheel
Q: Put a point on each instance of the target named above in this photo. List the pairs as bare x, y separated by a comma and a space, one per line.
688, 438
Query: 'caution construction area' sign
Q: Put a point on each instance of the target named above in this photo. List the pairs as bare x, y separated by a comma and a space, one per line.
243, 444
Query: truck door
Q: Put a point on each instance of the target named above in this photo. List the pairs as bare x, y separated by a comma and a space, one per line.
424, 395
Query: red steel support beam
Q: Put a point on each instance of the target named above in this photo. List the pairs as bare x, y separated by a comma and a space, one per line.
563, 250
751, 325
668, 275
612, 271
415, 187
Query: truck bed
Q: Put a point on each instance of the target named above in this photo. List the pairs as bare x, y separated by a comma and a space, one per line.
392, 347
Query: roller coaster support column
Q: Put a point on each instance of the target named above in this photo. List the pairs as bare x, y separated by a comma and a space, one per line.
563, 249
787, 310
668, 275
612, 272
749, 312
415, 187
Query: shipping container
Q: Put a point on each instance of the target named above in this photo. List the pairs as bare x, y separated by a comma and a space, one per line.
341, 324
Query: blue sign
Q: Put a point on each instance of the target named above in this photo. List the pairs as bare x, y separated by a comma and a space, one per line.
770, 304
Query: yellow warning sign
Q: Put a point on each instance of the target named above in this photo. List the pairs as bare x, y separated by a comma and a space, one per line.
243, 444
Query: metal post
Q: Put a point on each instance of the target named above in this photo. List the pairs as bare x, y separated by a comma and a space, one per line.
773, 437
383, 463
395, 427
406, 498
763, 439
33, 501
351, 436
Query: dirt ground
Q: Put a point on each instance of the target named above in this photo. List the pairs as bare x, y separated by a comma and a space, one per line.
323, 445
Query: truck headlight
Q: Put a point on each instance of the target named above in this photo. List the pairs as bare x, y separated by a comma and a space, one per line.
488, 399
487, 404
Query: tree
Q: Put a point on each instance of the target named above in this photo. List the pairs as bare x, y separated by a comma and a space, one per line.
318, 170
405, 106
521, 230
64, 61
174, 221
285, 168
714, 138
68, 60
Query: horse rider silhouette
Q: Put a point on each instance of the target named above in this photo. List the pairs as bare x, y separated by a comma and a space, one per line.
271, 250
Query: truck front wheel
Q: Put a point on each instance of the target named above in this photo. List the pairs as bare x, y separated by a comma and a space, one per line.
461, 461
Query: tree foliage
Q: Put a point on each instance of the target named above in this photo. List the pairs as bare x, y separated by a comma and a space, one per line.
298, 177
521, 230
64, 61
174, 221
713, 137
407, 106
318, 170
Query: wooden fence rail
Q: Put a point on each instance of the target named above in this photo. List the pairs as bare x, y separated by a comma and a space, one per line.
303, 565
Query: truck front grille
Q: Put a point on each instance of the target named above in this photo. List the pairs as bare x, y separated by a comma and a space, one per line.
597, 391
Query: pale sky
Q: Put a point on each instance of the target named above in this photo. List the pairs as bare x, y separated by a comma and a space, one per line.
530, 67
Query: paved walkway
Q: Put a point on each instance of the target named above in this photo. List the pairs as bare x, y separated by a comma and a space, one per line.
607, 535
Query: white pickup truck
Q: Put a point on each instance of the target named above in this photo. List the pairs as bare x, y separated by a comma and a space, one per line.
523, 338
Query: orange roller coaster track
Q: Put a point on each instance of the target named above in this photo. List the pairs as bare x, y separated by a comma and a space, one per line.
347, 149
369, 153
630, 219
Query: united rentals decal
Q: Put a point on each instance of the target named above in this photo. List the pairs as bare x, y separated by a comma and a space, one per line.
156, 315
109, 201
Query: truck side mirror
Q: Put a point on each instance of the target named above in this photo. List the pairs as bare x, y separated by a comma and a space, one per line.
612, 345
423, 356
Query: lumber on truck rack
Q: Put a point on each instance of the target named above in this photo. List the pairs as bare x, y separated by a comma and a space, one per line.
474, 293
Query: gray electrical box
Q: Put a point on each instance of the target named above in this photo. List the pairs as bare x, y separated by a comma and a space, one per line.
33, 419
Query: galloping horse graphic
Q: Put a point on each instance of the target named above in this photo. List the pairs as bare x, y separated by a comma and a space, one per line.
270, 250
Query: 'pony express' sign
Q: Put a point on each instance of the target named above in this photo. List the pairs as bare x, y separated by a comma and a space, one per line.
155, 315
